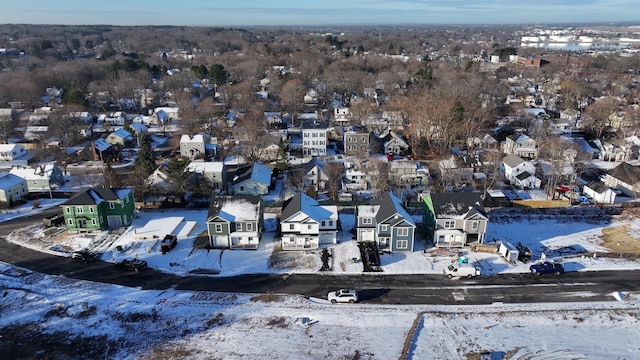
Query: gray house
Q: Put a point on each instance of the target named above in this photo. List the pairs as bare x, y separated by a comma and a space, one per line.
387, 223
235, 222
252, 180
455, 219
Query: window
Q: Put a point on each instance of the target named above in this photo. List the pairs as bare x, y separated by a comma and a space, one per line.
474, 225
324, 223
367, 221
330, 223
383, 228
403, 231
218, 228
238, 226
449, 224
93, 221
291, 226
79, 210
309, 227
248, 227
112, 205
92, 210
70, 221
68, 209
402, 244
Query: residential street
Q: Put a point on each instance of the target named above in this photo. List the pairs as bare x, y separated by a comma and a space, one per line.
374, 289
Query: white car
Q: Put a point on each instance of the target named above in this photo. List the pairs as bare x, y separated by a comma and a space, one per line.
343, 296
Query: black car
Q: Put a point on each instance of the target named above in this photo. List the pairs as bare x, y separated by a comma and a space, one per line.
169, 242
546, 267
132, 264
83, 256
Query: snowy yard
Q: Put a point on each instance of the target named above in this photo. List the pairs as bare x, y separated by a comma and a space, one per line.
571, 240
55, 317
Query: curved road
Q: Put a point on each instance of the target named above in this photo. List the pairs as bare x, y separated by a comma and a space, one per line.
373, 288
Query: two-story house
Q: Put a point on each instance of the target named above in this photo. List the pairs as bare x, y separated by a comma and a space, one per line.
314, 176
394, 144
455, 219
211, 170
314, 137
521, 145
120, 137
12, 188
305, 224
407, 173
99, 208
193, 147
356, 142
235, 222
519, 172
386, 222
41, 178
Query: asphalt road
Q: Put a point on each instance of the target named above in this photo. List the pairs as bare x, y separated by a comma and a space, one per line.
373, 288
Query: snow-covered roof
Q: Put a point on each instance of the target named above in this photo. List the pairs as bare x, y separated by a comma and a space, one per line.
202, 167
261, 173
8, 180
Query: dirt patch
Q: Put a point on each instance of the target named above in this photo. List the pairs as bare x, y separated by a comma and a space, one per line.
618, 239
268, 298
283, 260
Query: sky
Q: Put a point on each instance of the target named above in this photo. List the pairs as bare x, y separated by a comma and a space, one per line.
246, 13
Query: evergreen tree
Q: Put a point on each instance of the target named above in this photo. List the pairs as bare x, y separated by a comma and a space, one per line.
111, 178
178, 178
145, 163
282, 160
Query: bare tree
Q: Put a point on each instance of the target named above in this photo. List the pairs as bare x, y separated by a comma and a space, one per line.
599, 114
378, 173
292, 96
335, 173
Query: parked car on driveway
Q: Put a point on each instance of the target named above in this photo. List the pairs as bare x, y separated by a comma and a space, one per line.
546, 267
132, 264
83, 256
343, 296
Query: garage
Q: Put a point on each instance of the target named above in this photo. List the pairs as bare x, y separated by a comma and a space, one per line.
114, 221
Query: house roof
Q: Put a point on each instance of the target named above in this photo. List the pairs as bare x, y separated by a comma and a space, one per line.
512, 160
453, 205
235, 208
313, 163
597, 186
257, 172
8, 180
122, 133
626, 172
303, 203
315, 124
390, 205
523, 175
95, 196
101, 144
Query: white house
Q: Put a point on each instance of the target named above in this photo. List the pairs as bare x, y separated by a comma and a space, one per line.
520, 172
521, 145
314, 137
10, 152
12, 188
192, 147
305, 224
41, 178
599, 192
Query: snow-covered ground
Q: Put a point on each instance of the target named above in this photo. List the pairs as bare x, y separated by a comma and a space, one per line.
56, 317
572, 241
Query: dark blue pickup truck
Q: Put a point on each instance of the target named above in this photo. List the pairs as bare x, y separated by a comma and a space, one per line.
546, 267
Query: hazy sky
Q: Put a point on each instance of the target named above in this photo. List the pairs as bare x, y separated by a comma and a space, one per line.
320, 12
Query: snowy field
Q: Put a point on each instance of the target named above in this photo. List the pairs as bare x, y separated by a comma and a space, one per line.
56, 317
60, 318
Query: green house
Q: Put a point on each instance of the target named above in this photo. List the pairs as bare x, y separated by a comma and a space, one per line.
99, 209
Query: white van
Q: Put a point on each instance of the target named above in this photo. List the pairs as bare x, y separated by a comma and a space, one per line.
461, 270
